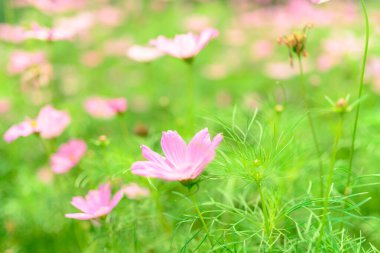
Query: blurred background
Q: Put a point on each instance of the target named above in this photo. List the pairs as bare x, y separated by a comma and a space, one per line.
86, 54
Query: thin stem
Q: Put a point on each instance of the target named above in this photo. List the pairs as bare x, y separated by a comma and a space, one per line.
349, 175
311, 124
264, 210
331, 174
190, 95
196, 207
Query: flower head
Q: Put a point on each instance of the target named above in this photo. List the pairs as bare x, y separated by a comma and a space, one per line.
96, 204
105, 108
143, 54
48, 34
20, 61
296, 43
185, 46
68, 156
134, 191
181, 162
50, 123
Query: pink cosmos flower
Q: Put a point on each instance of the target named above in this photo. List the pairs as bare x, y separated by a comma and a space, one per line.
50, 123
57, 5
143, 54
185, 46
21, 60
181, 162
14, 34
5, 105
49, 34
319, 1
97, 203
134, 191
68, 156
105, 108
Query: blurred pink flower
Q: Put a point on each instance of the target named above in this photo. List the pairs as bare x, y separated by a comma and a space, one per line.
185, 46
262, 49
143, 54
97, 203
181, 162
50, 123
109, 16
14, 34
49, 34
134, 191
57, 5
105, 108
21, 60
68, 156
5, 105
319, 1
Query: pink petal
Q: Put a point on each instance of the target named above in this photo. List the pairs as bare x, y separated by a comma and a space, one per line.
80, 216
19, 130
174, 147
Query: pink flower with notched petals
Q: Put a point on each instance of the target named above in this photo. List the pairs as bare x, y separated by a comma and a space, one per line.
181, 162
185, 46
96, 204
68, 156
50, 123
105, 108
143, 54
134, 191
20, 61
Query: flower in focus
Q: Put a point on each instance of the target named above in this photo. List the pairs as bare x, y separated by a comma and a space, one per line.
296, 43
134, 191
50, 123
68, 156
96, 204
185, 46
181, 162
105, 108
143, 54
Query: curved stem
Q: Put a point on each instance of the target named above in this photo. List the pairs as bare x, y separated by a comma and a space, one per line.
311, 124
362, 73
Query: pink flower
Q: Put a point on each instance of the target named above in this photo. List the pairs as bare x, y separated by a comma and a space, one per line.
97, 203
143, 54
57, 5
49, 34
68, 156
9, 33
319, 1
5, 105
185, 46
181, 162
20, 61
105, 108
50, 123
134, 191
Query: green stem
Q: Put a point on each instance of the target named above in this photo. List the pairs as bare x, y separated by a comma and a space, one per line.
349, 175
331, 174
164, 223
264, 210
311, 123
190, 96
196, 207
